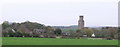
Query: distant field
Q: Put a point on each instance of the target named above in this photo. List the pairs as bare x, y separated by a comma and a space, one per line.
55, 41
65, 30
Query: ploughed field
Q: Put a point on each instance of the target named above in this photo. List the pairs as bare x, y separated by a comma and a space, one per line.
55, 41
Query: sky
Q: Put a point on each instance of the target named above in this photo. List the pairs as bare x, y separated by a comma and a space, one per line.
60, 12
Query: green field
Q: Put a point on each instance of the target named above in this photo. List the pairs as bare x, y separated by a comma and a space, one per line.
66, 30
55, 41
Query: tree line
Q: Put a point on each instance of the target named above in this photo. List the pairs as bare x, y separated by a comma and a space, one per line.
34, 29
26, 29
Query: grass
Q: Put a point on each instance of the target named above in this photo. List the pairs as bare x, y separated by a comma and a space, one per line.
66, 30
55, 41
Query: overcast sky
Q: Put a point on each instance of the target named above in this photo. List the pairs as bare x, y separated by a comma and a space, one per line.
61, 12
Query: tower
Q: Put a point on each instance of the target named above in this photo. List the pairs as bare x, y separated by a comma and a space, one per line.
80, 22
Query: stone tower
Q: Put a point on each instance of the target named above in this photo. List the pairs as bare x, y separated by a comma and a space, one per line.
80, 22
